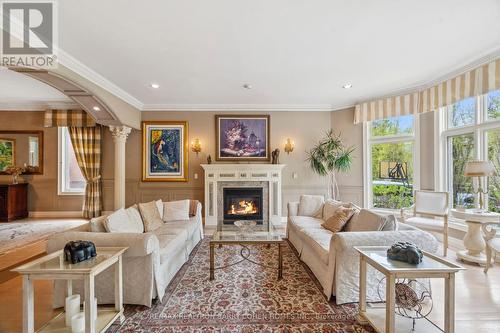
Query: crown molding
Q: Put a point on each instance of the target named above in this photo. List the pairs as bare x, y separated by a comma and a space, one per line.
76, 66
36, 105
460, 69
238, 107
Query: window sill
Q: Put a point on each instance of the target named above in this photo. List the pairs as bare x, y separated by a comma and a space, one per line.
71, 193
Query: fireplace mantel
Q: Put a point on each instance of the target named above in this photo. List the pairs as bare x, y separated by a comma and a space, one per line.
246, 174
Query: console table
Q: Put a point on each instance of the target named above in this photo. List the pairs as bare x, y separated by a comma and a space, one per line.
13, 201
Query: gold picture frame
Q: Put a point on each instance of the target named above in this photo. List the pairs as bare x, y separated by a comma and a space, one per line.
255, 123
165, 152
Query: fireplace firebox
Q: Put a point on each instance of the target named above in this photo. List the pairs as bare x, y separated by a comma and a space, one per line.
243, 203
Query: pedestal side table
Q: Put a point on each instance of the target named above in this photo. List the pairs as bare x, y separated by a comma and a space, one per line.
473, 239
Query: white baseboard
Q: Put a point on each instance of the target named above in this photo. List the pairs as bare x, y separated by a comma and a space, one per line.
56, 214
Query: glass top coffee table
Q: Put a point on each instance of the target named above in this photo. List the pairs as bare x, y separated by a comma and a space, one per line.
235, 237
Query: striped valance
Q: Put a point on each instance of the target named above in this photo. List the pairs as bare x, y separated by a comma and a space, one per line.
68, 118
387, 107
476, 82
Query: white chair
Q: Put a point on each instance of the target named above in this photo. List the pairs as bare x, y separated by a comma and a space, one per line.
492, 243
428, 206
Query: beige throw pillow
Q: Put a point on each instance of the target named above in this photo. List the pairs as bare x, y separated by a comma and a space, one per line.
125, 221
311, 205
367, 220
159, 205
331, 206
150, 216
98, 224
176, 210
336, 222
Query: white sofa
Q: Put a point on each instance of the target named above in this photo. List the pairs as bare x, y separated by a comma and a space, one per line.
332, 258
150, 263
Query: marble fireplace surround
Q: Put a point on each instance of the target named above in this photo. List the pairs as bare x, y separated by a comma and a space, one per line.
266, 176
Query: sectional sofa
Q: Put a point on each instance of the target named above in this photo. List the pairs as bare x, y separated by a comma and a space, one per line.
151, 261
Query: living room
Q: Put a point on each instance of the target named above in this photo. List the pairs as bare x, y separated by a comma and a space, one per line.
328, 132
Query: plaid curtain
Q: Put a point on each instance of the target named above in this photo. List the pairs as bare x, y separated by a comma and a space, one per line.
73, 118
87, 146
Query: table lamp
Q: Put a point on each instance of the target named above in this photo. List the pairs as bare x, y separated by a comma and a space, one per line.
479, 169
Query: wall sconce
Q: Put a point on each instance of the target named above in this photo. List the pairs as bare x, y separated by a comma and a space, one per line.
289, 145
196, 146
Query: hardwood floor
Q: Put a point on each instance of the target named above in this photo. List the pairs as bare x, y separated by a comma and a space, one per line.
477, 300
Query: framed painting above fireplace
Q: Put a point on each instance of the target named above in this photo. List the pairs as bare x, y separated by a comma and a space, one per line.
242, 137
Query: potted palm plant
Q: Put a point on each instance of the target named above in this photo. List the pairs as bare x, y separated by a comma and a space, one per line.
328, 157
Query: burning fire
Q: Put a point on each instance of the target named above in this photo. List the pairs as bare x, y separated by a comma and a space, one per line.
244, 208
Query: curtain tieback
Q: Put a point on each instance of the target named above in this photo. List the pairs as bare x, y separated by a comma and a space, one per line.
94, 180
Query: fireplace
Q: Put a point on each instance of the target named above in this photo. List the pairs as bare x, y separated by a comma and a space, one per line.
243, 203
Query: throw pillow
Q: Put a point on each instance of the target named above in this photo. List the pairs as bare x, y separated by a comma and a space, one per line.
367, 220
120, 221
176, 210
331, 206
390, 224
159, 205
98, 224
311, 205
135, 218
150, 216
336, 222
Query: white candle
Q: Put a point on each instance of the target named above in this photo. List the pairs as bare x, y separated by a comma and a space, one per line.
78, 323
71, 307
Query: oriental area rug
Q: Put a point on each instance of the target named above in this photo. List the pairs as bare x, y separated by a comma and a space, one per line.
243, 298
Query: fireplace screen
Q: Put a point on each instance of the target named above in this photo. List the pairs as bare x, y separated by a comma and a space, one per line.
242, 203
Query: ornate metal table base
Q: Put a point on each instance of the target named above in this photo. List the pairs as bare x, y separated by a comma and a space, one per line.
245, 255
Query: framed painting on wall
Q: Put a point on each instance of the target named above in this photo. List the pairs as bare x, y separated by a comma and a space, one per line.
7, 153
164, 151
242, 137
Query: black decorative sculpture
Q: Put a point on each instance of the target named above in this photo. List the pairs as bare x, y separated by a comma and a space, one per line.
209, 159
275, 155
404, 251
79, 251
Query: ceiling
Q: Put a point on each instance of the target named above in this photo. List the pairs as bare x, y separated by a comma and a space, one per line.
295, 54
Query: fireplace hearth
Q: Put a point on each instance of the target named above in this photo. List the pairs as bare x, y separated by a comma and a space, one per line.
243, 203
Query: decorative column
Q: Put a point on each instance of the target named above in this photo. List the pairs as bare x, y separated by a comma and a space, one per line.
120, 134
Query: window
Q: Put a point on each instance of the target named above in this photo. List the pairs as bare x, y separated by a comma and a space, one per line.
493, 139
390, 162
70, 178
470, 130
461, 151
493, 105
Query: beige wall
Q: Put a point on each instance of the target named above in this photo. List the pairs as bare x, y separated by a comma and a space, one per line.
305, 128
43, 188
350, 183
